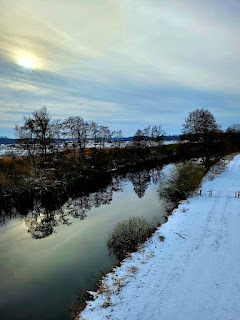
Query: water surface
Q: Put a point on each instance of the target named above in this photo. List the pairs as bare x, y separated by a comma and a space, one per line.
46, 256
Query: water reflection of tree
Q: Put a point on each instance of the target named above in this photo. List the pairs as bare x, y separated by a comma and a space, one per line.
40, 226
142, 179
42, 223
42, 214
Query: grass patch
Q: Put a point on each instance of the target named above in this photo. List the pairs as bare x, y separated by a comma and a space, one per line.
183, 180
127, 235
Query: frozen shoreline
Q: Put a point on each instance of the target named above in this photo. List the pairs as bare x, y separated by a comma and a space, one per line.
193, 274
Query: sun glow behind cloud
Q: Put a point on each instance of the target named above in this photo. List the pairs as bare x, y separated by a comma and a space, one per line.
27, 63
138, 41
27, 60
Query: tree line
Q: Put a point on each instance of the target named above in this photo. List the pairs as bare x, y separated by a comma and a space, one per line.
40, 135
54, 152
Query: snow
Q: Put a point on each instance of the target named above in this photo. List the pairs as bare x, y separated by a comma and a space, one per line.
170, 142
6, 149
11, 149
3, 149
193, 273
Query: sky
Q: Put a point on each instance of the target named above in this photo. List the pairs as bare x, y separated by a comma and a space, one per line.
125, 64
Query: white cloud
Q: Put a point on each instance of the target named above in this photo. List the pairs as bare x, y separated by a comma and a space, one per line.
130, 45
158, 42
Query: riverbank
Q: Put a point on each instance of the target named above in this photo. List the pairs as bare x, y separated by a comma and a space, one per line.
193, 273
29, 176
18, 180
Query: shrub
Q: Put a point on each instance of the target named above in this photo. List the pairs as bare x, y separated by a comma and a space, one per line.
127, 235
184, 179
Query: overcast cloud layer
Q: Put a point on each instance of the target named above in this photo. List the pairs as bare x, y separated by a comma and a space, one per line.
122, 63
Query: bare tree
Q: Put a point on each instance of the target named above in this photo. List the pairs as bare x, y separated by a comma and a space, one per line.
138, 143
233, 135
157, 135
81, 132
147, 137
26, 143
94, 133
56, 132
117, 139
234, 128
41, 123
69, 127
139, 139
104, 136
200, 127
36, 131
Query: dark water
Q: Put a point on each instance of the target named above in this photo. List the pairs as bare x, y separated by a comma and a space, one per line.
47, 255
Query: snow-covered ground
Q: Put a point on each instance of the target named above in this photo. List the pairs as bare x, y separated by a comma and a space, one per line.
170, 141
7, 149
194, 274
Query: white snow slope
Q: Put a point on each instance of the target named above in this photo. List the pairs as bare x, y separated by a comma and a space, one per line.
194, 274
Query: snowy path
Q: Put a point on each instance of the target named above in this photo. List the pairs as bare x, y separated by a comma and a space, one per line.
193, 275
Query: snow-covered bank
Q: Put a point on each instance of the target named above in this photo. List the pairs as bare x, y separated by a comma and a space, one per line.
193, 273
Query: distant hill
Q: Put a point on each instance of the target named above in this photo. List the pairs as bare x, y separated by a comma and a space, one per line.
169, 138
6, 140
165, 138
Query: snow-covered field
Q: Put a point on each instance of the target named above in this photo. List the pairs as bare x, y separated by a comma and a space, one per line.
194, 274
8, 149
